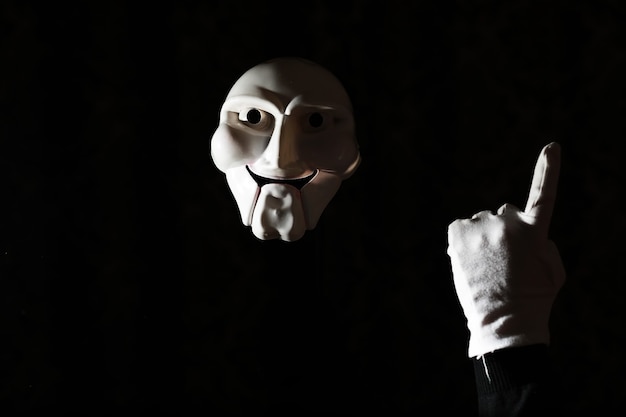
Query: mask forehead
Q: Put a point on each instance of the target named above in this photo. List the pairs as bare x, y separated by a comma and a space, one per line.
283, 79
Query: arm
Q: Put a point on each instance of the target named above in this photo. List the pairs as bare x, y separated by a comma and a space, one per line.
506, 274
514, 381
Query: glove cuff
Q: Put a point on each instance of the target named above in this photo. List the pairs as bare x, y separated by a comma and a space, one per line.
521, 328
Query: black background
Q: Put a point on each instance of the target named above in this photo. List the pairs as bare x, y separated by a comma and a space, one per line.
128, 282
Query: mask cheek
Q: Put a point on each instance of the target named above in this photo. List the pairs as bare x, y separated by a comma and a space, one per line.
336, 153
231, 147
317, 194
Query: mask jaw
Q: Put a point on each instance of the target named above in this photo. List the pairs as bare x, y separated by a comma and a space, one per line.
259, 206
245, 191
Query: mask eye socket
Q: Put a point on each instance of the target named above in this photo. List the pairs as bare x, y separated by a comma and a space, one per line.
316, 121
256, 119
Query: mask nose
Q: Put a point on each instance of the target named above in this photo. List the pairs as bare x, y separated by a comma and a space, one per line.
280, 158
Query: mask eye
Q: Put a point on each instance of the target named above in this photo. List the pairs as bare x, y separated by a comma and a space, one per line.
316, 121
256, 119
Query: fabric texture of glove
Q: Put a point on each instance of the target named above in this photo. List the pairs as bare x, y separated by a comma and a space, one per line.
506, 271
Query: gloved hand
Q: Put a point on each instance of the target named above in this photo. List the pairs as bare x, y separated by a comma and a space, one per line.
506, 271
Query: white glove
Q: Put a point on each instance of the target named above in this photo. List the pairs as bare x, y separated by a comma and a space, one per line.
506, 271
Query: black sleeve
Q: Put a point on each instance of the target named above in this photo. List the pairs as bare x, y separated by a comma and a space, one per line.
514, 382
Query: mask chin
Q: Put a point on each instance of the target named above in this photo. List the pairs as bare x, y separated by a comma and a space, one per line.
278, 213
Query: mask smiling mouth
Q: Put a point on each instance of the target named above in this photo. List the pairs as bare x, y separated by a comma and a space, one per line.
297, 182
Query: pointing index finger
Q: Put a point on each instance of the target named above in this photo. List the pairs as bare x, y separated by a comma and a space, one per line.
542, 193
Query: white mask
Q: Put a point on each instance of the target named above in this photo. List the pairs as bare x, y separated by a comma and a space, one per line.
285, 141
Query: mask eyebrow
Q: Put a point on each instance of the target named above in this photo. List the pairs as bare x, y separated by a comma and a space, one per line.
249, 101
298, 101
